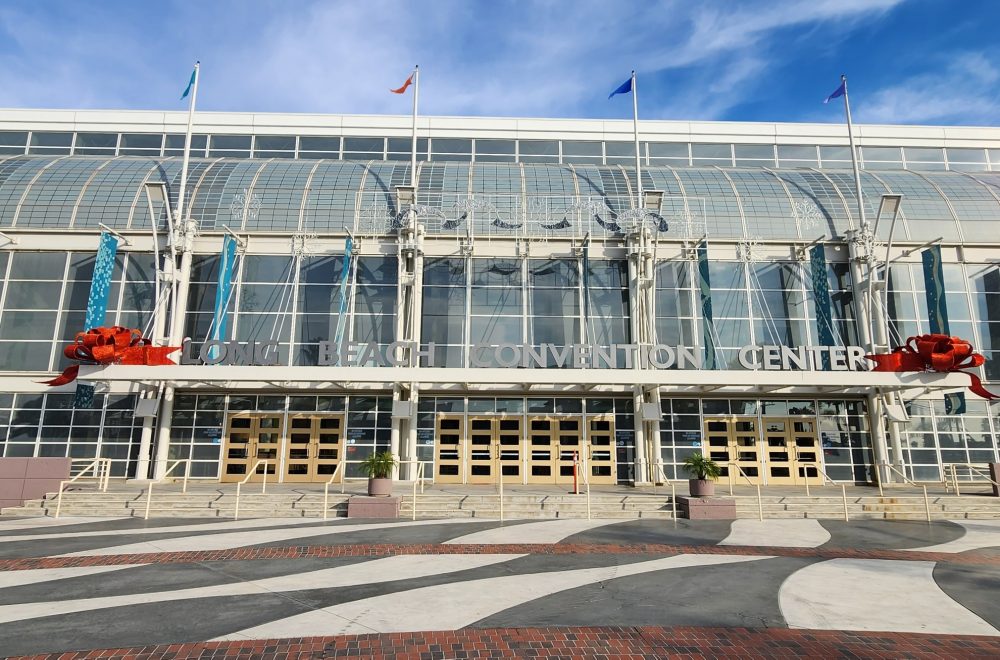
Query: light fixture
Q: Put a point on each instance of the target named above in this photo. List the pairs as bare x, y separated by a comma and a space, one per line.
405, 196
889, 206
652, 199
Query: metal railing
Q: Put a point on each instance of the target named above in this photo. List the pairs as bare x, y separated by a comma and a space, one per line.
892, 469
101, 469
980, 470
760, 499
253, 471
326, 488
660, 472
171, 467
843, 490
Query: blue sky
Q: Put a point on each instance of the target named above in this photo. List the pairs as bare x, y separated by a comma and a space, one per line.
908, 61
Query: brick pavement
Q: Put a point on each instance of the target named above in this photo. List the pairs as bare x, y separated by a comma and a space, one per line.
575, 642
972, 557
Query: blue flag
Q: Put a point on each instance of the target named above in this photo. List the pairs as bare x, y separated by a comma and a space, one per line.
624, 88
187, 90
837, 92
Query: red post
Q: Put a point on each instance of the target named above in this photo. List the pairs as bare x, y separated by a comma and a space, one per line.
576, 461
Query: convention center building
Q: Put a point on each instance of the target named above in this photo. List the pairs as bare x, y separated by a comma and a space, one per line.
522, 306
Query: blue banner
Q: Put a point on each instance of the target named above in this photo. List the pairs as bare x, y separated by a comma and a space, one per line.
705, 289
345, 272
97, 303
224, 289
937, 314
100, 285
821, 294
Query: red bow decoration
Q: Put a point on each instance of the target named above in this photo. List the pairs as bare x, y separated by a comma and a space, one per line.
934, 353
114, 345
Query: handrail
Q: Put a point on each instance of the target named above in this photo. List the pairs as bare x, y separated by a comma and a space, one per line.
927, 502
101, 468
263, 461
973, 468
760, 500
326, 489
419, 477
187, 474
843, 490
673, 489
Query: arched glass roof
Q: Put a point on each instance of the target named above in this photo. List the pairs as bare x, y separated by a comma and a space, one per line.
49, 192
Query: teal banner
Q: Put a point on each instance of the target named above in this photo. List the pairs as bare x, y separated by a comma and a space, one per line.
97, 304
821, 294
223, 290
937, 313
707, 323
345, 275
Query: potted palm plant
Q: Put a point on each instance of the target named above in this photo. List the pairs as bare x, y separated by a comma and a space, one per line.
379, 468
704, 472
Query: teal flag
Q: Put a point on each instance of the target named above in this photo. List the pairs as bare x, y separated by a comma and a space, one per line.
223, 291
187, 90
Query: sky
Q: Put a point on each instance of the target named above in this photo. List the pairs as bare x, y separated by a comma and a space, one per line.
907, 61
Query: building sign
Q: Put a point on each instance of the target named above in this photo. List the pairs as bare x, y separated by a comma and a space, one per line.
523, 356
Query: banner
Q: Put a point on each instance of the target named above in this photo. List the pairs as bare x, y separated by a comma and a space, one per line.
937, 313
705, 289
224, 289
345, 272
821, 294
97, 303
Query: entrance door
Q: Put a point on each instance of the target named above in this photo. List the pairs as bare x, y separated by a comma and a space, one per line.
543, 450
601, 440
314, 447
480, 447
251, 437
792, 451
448, 449
733, 441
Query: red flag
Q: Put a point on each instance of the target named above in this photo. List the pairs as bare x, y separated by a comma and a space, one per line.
409, 81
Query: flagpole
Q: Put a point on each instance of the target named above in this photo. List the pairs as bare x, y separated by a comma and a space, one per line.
854, 156
635, 130
184, 229
187, 143
413, 146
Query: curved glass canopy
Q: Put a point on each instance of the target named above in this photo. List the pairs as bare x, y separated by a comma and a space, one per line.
328, 197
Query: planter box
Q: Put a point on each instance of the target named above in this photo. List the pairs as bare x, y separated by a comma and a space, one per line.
707, 508
361, 506
23, 479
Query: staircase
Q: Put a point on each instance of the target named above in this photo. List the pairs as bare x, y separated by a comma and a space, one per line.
285, 503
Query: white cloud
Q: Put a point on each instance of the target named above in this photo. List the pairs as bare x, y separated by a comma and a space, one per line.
963, 89
507, 57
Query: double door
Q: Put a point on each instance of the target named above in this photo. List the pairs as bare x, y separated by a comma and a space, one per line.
303, 448
772, 450
539, 449
476, 449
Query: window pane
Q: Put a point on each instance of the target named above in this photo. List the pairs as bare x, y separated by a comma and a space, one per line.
13, 138
668, 150
711, 151
275, 143
37, 266
764, 151
230, 142
581, 148
51, 139
142, 141
106, 140
494, 146
966, 155
797, 152
539, 147
367, 145
451, 146
313, 143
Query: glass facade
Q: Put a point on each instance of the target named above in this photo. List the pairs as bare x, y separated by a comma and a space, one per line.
527, 247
